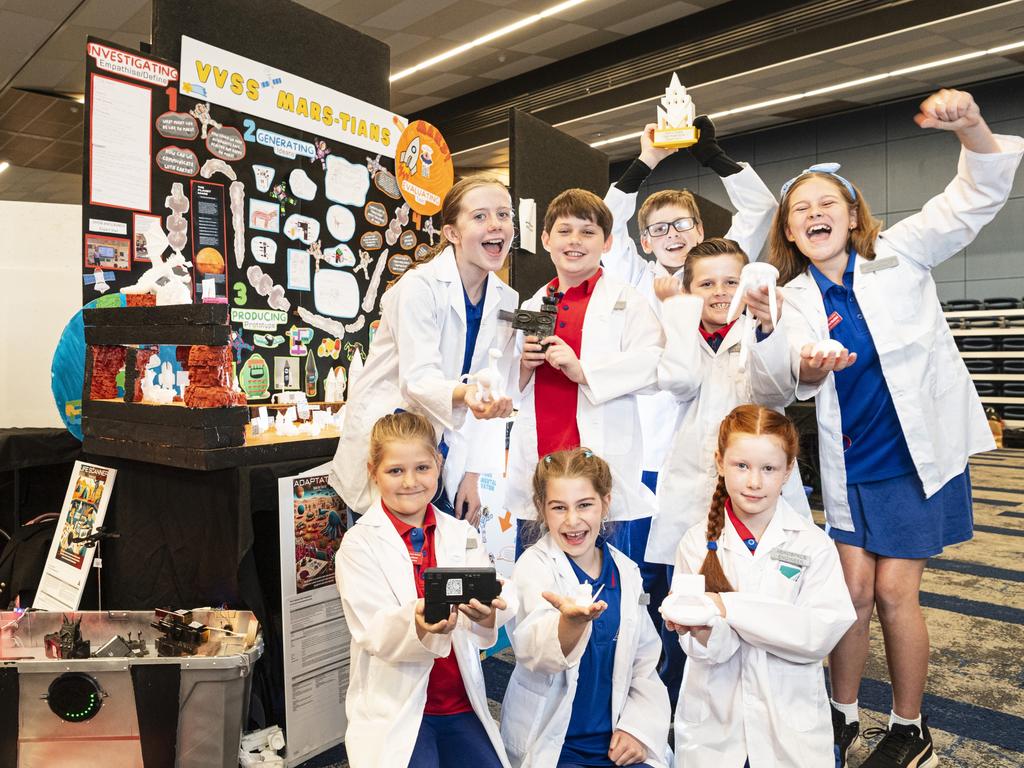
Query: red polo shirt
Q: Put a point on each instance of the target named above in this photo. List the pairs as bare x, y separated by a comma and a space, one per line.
715, 338
554, 394
446, 693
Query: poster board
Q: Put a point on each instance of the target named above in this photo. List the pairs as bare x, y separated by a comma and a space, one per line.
313, 520
68, 563
265, 191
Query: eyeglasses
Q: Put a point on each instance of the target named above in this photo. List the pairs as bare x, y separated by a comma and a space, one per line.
660, 229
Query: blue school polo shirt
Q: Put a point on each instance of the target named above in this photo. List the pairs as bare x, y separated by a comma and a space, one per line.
474, 315
590, 727
875, 448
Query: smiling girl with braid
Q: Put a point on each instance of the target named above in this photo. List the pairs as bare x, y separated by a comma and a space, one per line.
754, 688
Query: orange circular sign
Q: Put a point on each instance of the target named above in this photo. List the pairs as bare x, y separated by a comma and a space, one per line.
423, 167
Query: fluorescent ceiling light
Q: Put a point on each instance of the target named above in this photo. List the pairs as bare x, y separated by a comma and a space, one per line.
691, 88
4, 166
506, 30
837, 87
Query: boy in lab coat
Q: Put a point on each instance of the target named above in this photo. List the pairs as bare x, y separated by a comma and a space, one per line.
579, 386
670, 225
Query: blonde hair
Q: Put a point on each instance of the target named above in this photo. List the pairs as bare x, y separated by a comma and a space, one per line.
682, 198
581, 204
749, 419
713, 246
787, 258
404, 426
452, 207
575, 462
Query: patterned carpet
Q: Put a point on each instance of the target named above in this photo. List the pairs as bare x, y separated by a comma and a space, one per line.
974, 605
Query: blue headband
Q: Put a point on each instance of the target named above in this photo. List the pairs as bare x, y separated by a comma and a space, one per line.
826, 168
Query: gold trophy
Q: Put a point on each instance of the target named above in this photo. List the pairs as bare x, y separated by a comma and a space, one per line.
675, 118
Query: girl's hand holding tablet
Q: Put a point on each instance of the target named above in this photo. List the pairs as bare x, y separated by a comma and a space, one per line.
482, 614
440, 628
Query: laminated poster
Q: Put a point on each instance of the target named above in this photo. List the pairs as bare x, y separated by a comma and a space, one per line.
68, 562
313, 520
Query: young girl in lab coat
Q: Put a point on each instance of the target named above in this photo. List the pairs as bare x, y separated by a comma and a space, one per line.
701, 368
585, 689
898, 415
754, 687
416, 692
437, 324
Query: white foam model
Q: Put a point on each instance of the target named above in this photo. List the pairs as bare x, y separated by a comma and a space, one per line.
237, 194
371, 290
158, 388
488, 381
688, 605
827, 347
583, 595
759, 274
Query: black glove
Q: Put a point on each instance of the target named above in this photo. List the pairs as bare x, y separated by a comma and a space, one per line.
708, 152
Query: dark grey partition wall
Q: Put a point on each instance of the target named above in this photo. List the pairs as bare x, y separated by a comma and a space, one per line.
544, 161
284, 35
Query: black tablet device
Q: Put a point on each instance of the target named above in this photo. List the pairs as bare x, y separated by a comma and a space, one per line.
445, 587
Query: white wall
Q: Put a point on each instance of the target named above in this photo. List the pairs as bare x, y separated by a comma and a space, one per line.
40, 289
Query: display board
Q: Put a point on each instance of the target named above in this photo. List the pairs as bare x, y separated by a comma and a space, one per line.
289, 212
313, 520
69, 561
544, 161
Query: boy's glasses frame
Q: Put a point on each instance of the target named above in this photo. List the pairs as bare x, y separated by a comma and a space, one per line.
684, 224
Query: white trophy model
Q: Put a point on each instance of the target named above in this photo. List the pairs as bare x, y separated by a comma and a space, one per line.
675, 118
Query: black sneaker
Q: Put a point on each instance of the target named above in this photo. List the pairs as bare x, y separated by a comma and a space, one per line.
846, 736
902, 746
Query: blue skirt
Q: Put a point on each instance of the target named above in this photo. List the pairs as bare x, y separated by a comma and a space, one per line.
892, 518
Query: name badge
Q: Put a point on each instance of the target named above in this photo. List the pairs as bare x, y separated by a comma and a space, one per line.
645, 599
619, 305
470, 543
878, 264
793, 558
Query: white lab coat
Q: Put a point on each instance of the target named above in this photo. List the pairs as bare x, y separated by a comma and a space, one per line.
755, 206
622, 341
390, 665
415, 362
538, 700
709, 385
758, 688
936, 402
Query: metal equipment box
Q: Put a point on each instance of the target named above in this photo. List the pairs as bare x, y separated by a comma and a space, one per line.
124, 712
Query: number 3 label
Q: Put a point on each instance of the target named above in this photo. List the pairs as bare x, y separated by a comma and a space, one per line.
240, 294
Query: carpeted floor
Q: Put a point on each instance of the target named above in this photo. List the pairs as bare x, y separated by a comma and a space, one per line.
974, 603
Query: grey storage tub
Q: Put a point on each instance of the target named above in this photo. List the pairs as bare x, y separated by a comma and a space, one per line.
212, 694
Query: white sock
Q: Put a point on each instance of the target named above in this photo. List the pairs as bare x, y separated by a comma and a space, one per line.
850, 711
895, 719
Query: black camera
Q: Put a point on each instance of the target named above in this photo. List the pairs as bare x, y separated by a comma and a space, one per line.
444, 588
537, 323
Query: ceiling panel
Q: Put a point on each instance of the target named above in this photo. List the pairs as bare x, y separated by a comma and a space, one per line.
51, 40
